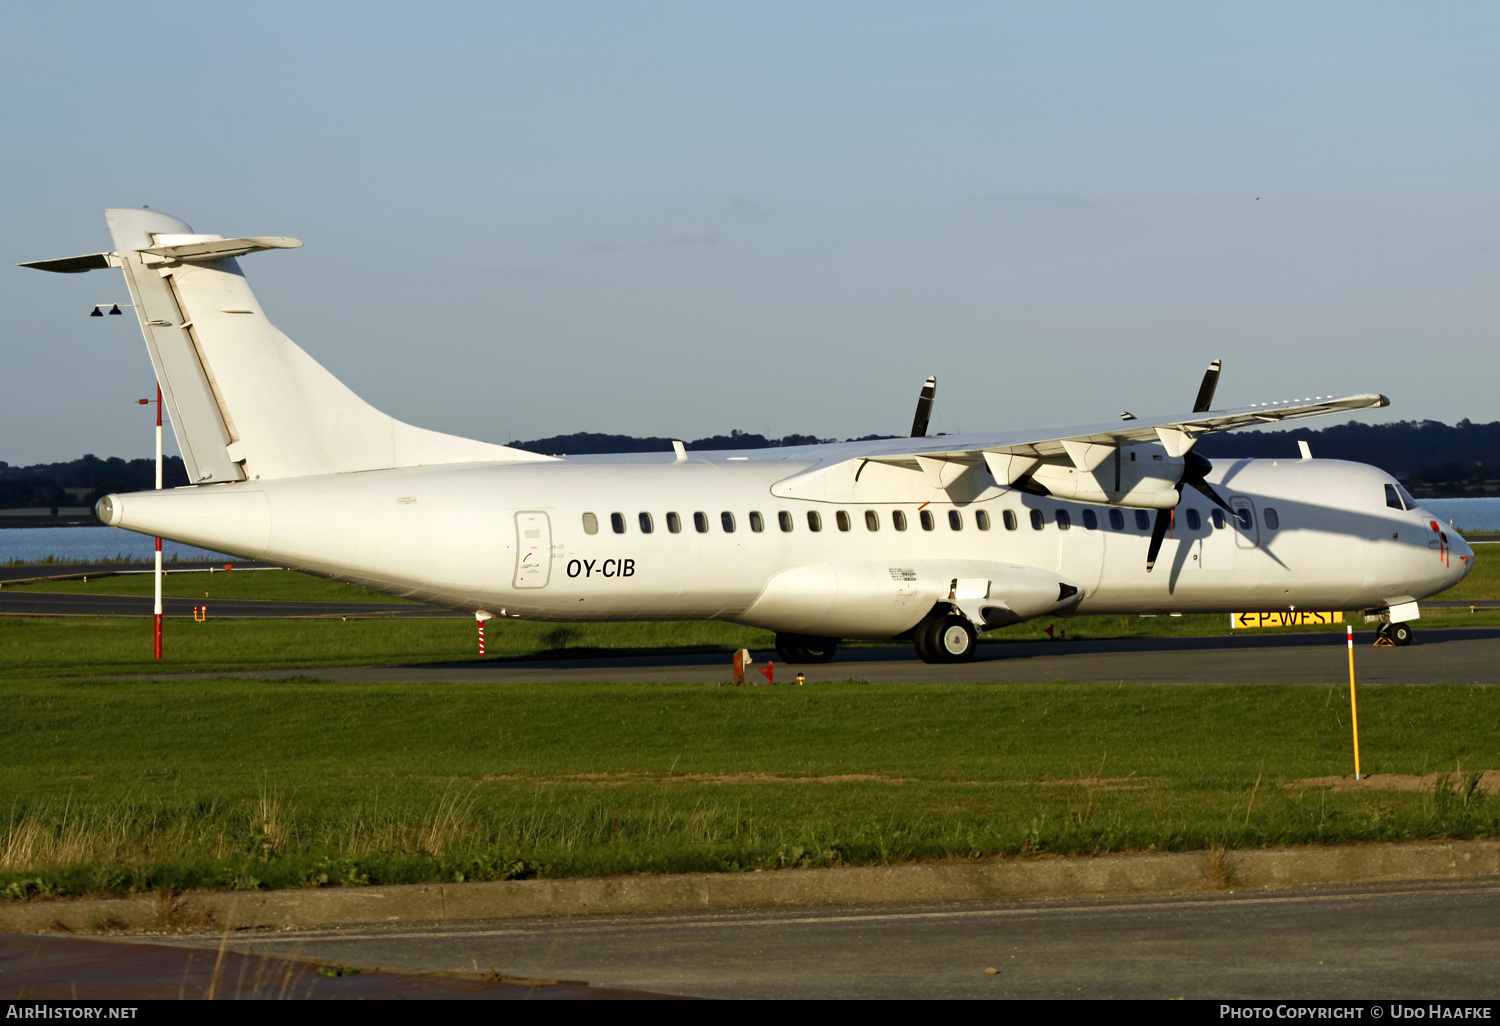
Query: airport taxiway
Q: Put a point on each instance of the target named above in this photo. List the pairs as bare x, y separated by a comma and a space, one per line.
1439, 940
1445, 656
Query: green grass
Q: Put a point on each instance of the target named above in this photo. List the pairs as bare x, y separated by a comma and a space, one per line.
32, 646
282, 585
49, 646
127, 787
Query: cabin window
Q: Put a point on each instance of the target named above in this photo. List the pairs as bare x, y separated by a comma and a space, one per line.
1391, 498
898, 520
926, 517
982, 519
590, 524
842, 519
700, 522
785, 520
955, 520
646, 524
727, 519
814, 521
1090, 520
674, 523
1142, 521
872, 520
1037, 520
1243, 515
1217, 516
617, 521
1269, 517
1009, 516
1063, 520
1116, 520
1193, 520
757, 522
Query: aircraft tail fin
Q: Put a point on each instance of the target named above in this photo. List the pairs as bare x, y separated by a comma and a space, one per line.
246, 402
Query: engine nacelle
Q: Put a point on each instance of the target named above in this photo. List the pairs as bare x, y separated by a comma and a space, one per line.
870, 599
1139, 476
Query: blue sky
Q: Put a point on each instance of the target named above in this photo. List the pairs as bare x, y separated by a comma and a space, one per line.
680, 219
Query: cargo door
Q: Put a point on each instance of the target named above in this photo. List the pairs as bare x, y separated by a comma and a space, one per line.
533, 549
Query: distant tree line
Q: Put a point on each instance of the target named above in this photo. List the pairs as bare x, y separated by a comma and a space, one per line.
586, 442
1431, 457
82, 482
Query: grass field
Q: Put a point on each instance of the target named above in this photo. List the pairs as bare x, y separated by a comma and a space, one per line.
281, 585
48, 646
114, 787
118, 788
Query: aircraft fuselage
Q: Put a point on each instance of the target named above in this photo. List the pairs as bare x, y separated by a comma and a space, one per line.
641, 538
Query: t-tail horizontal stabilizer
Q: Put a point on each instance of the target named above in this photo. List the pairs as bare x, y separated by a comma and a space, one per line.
246, 402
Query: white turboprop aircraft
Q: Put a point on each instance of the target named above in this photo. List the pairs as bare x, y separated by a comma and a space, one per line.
932, 539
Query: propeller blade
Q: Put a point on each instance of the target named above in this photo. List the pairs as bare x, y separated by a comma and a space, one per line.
1213, 496
1158, 534
1195, 472
1206, 390
924, 408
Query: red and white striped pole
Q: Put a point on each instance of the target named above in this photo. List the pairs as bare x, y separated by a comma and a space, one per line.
156, 609
480, 616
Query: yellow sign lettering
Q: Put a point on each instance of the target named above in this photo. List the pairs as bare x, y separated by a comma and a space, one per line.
1284, 619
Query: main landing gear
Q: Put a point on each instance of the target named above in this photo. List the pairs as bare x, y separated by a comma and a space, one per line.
805, 648
1394, 635
945, 637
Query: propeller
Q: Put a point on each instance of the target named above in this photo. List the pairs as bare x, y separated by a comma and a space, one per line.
1206, 390
1195, 470
924, 408
1194, 474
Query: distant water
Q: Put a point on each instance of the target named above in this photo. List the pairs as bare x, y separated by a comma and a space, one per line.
1472, 515
93, 544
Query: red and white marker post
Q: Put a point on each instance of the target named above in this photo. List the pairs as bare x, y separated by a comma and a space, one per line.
156, 609
480, 616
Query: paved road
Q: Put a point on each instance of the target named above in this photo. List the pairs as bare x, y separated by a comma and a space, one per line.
1451, 655
1407, 941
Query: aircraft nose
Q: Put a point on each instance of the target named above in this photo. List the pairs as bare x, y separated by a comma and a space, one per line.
1461, 555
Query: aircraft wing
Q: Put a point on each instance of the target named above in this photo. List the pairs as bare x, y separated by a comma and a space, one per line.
1087, 447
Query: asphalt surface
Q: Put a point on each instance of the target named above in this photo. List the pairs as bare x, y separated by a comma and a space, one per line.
1449, 656
75, 969
1398, 941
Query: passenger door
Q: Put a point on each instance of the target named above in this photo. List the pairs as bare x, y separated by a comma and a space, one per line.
533, 549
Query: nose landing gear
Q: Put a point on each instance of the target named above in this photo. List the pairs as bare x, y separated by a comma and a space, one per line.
1394, 635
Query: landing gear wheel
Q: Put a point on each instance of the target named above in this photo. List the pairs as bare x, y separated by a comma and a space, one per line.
805, 648
1401, 634
952, 639
921, 640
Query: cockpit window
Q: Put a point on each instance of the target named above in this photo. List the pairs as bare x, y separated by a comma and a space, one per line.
1406, 497
1391, 498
